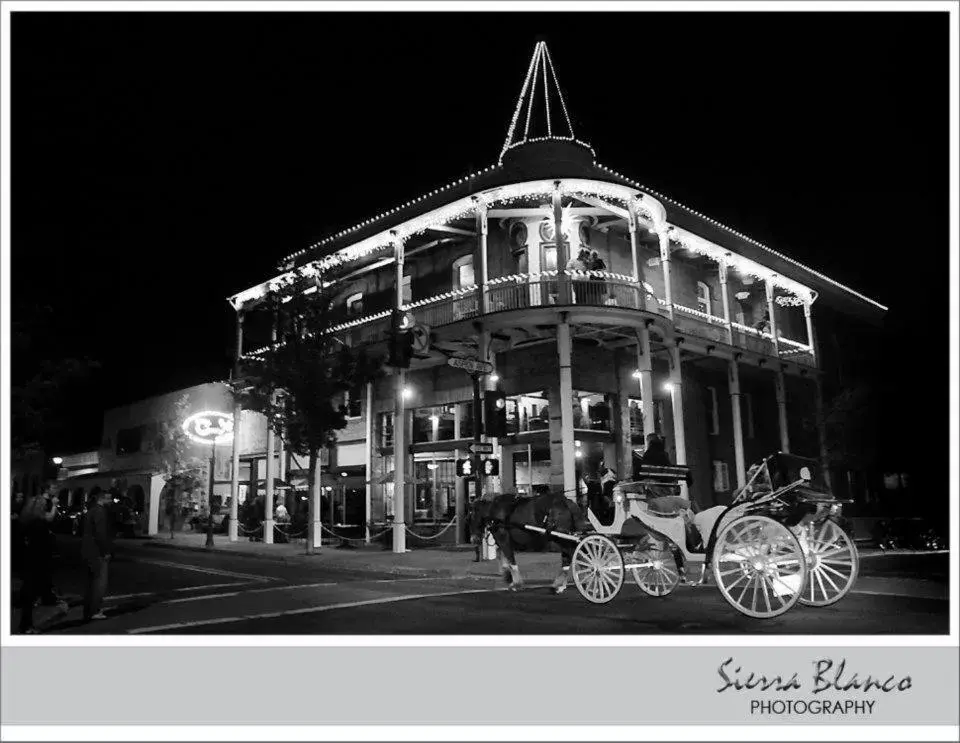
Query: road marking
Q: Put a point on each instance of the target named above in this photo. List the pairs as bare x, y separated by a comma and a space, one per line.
900, 595
208, 571
202, 598
307, 610
120, 596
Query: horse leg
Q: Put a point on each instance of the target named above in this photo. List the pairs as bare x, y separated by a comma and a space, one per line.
505, 569
560, 582
509, 561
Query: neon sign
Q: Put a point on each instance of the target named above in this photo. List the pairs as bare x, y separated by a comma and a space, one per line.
209, 427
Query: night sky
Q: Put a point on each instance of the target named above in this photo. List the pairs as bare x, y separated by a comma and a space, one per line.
164, 161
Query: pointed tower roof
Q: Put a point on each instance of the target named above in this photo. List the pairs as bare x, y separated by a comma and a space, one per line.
541, 111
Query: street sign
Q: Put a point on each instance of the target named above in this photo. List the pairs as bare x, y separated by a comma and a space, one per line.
421, 338
481, 447
474, 366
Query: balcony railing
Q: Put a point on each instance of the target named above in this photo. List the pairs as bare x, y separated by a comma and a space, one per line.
586, 289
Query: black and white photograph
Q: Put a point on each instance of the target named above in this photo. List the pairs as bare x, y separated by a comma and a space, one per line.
454, 322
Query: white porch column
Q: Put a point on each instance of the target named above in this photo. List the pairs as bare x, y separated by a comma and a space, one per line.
821, 430
781, 390
665, 263
315, 527
368, 464
271, 450
563, 288
399, 429
566, 412
645, 368
807, 307
733, 370
773, 316
482, 250
725, 297
233, 528
676, 397
635, 253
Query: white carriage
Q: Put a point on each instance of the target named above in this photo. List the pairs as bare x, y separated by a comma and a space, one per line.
777, 544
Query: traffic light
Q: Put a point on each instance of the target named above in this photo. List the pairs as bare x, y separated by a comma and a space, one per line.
401, 341
495, 414
464, 468
490, 467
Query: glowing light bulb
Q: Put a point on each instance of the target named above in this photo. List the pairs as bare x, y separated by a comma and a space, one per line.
407, 393
668, 386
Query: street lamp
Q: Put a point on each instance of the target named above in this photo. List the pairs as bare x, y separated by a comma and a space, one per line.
213, 428
58, 461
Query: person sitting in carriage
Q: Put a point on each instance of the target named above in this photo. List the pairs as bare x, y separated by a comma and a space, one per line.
662, 500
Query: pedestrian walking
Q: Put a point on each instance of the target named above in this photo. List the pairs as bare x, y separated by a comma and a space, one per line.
36, 558
96, 550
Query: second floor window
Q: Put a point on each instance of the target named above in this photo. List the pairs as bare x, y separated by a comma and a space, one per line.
129, 440
703, 298
463, 276
406, 289
355, 304
353, 401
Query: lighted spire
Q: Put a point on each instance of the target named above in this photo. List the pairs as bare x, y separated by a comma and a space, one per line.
540, 75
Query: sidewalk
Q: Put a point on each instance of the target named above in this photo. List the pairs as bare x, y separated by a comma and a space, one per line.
452, 562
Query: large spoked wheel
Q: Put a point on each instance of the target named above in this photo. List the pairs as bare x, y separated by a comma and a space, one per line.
832, 563
655, 571
597, 568
759, 566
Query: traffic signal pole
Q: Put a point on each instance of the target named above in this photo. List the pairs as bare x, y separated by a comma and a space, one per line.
477, 419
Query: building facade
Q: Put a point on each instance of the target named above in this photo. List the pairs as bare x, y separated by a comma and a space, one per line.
608, 311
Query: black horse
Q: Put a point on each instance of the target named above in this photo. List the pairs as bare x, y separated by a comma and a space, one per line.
503, 515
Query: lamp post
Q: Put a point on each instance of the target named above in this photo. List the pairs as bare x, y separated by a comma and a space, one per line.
213, 428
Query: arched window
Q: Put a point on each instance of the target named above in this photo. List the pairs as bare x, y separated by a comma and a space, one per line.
463, 276
354, 304
703, 298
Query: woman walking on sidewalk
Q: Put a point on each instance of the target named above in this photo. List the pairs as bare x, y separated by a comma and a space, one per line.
96, 550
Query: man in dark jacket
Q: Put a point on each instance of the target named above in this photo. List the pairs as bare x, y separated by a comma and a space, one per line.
96, 550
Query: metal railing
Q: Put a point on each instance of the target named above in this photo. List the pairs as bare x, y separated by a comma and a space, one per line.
581, 288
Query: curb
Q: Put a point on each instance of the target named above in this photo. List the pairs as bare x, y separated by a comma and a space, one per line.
335, 563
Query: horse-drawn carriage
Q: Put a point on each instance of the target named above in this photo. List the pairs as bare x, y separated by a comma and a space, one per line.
779, 542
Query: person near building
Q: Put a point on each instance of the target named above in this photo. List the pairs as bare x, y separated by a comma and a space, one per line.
96, 548
577, 265
662, 499
597, 266
36, 558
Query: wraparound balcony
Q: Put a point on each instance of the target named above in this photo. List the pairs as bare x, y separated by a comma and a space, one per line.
587, 289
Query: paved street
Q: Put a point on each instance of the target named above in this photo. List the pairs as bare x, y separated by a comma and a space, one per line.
158, 589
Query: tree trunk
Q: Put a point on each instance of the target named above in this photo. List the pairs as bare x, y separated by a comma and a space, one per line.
172, 515
314, 533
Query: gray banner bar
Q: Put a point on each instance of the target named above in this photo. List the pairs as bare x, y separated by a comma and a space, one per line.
487, 685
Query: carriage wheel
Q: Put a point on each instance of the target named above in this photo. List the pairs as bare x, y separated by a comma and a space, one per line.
759, 566
832, 563
597, 568
657, 574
